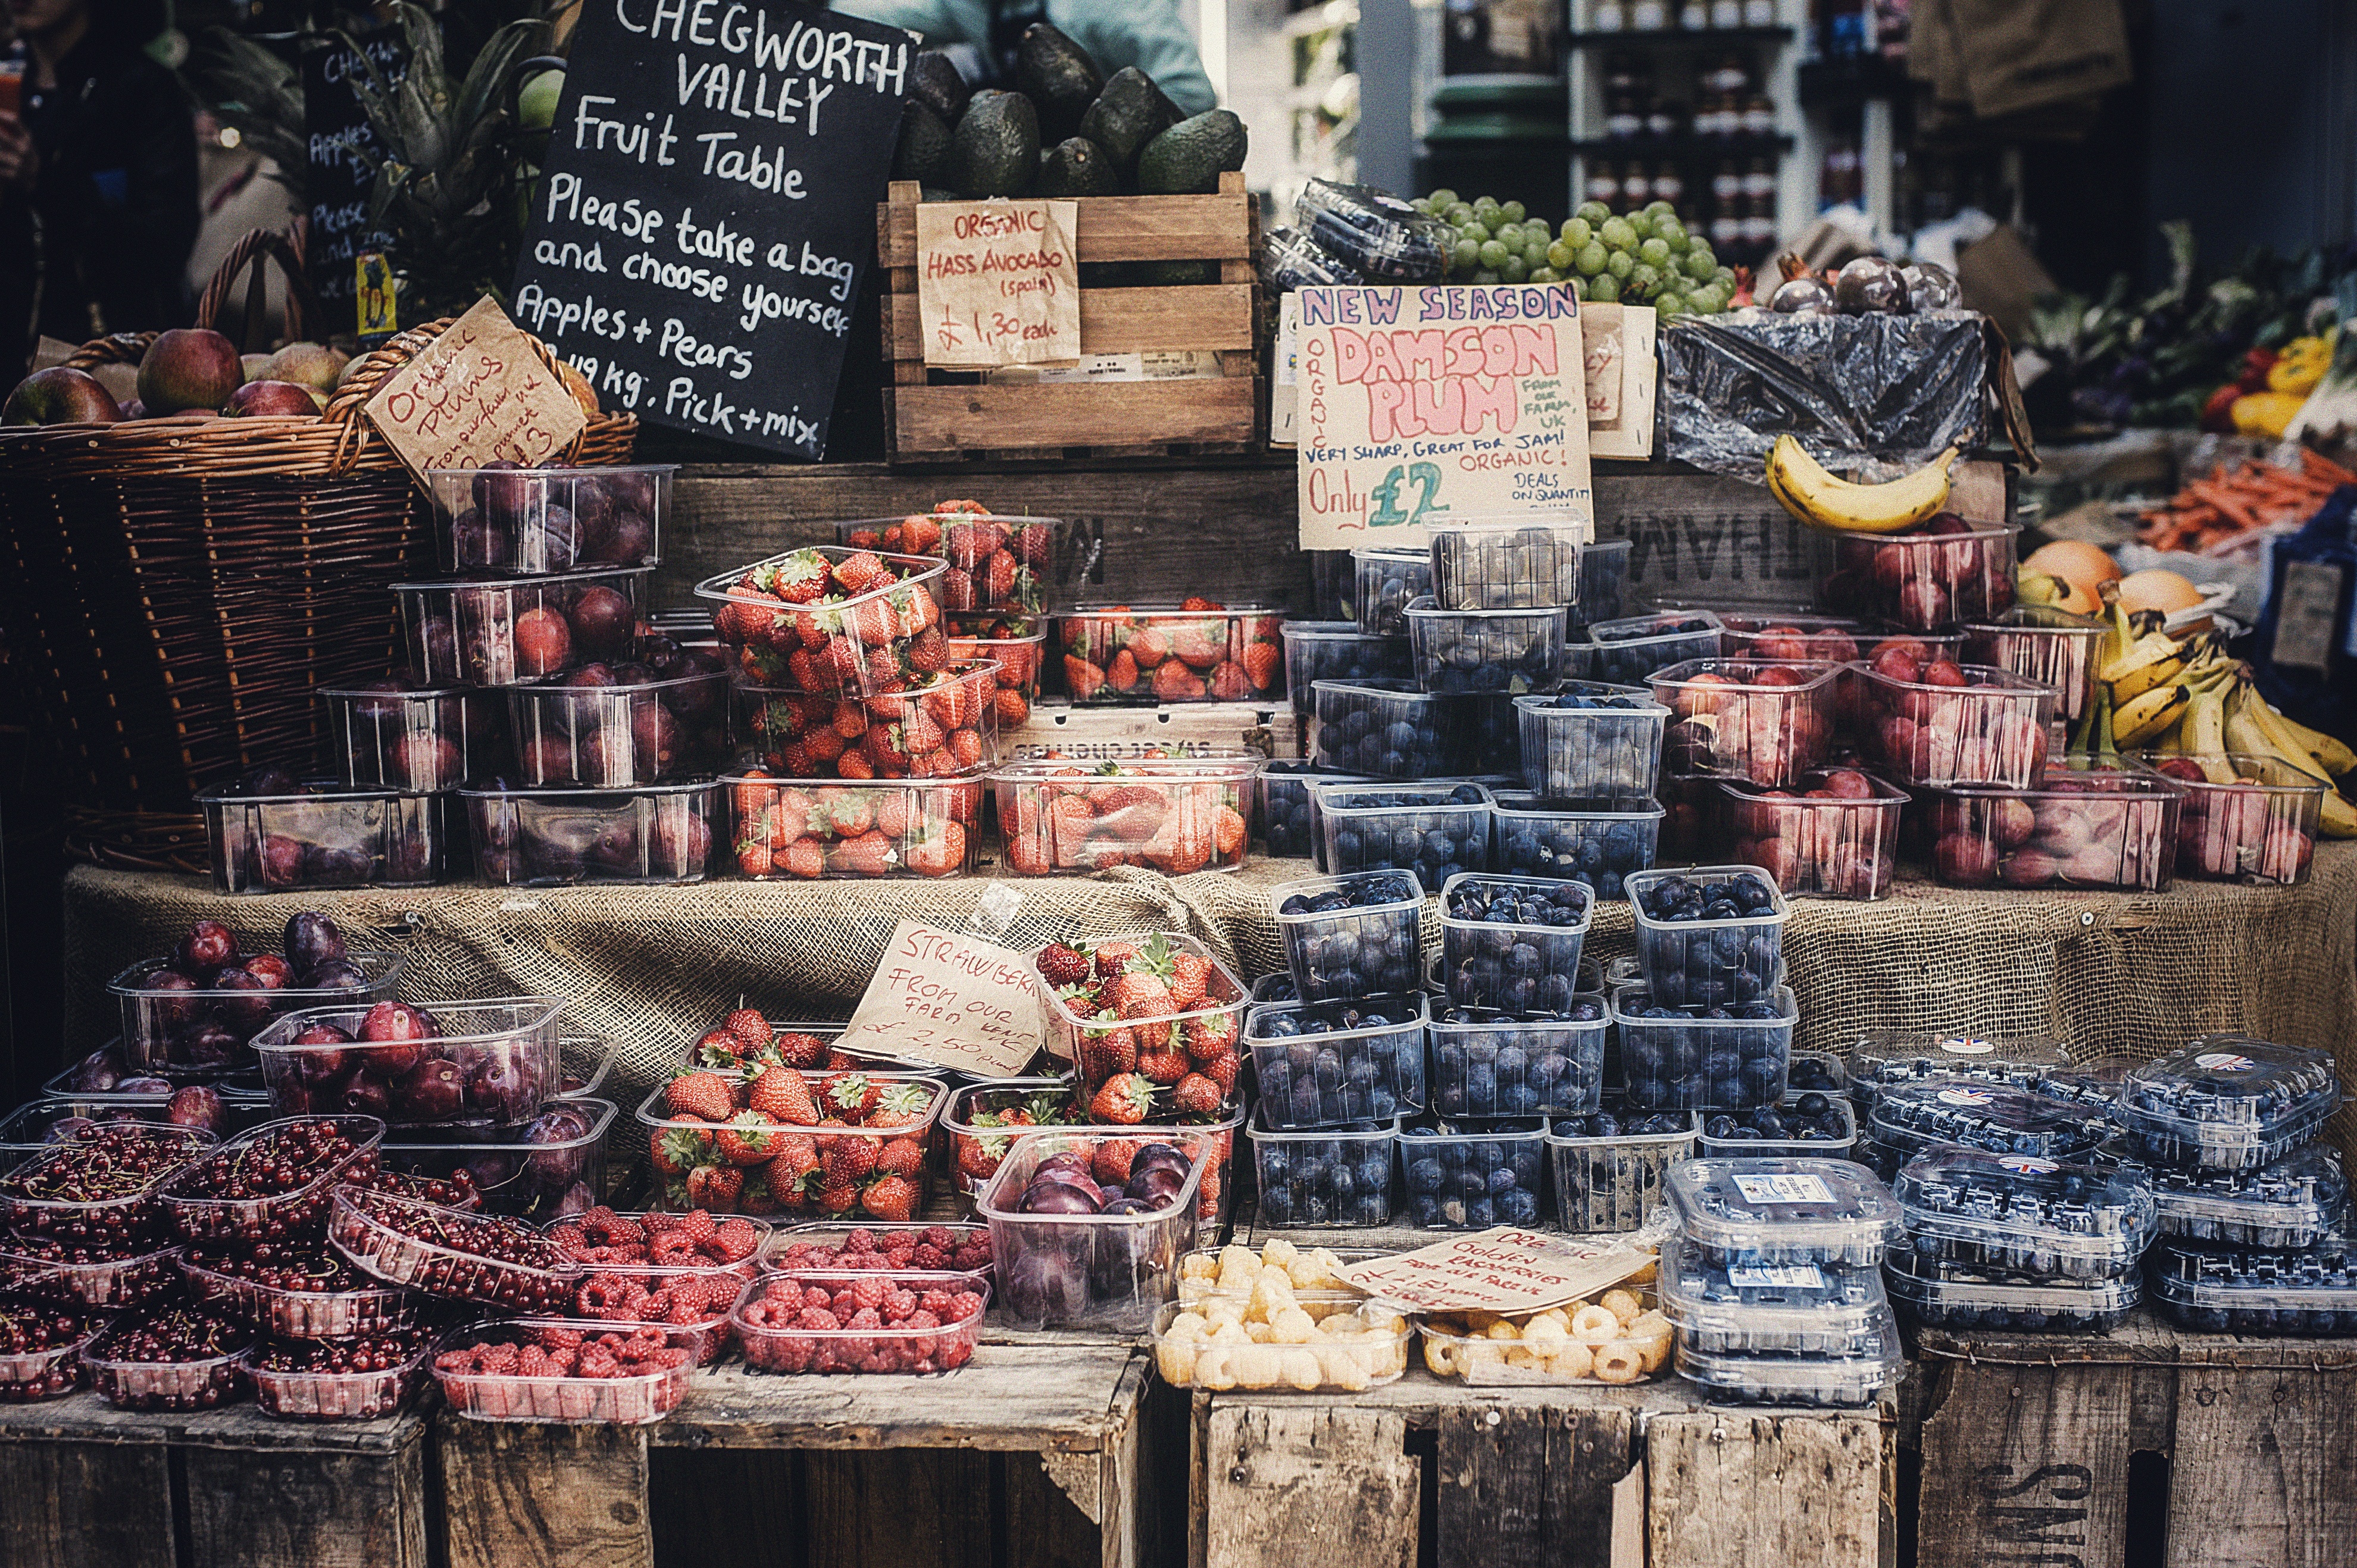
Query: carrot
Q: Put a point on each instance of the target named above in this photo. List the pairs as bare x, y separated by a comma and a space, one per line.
2324, 468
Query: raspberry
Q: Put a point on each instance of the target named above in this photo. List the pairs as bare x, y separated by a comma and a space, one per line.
865, 1317
940, 1236
734, 1240
784, 1294
937, 1303
861, 1240
898, 1305
816, 1319
928, 1257
870, 1292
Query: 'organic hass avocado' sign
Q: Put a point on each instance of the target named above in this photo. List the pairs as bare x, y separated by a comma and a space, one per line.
1415, 406
708, 208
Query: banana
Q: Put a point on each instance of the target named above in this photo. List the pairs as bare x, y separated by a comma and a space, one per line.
2253, 725
1825, 501
2153, 659
2170, 742
2146, 715
2333, 756
2205, 736
2032, 587
2268, 726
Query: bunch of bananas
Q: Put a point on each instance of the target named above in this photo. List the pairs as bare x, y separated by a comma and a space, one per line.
2189, 699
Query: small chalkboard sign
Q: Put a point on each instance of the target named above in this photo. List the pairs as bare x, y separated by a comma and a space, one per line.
708, 207
338, 179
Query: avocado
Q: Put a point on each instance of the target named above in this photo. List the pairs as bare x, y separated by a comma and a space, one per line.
1077, 166
1129, 112
1057, 76
925, 150
935, 82
995, 151
1190, 157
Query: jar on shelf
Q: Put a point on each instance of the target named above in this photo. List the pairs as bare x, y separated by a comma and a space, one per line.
1624, 116
1759, 115
1649, 15
1669, 184
1759, 180
1758, 13
1728, 75
1607, 16
1726, 13
1693, 16
1636, 189
1603, 184
1661, 120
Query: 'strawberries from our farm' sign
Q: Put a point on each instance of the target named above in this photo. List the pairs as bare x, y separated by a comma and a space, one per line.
954, 1000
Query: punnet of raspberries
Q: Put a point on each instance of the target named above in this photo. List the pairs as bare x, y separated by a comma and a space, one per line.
861, 1322
565, 1370
682, 1268
953, 1249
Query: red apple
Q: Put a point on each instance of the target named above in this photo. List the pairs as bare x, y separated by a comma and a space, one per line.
1966, 858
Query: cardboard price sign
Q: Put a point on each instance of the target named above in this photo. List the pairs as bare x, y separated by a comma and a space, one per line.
1504, 1271
954, 1000
477, 393
998, 283
1427, 404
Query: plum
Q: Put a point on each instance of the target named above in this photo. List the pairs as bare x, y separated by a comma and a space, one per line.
208, 947
424, 760
1156, 1185
543, 642
603, 620
249, 1009
96, 1073
553, 1169
67, 1129
198, 1105
1869, 285
1043, 1286
391, 1060
1130, 1205
165, 1002
338, 975
552, 538
432, 1090
682, 843
1801, 296
205, 1045
1160, 1154
275, 972
476, 545
398, 1021
144, 1084
498, 1085
1047, 1196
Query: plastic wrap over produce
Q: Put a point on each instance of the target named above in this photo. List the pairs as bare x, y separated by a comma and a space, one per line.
1872, 397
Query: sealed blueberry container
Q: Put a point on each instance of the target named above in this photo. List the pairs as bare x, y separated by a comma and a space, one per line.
1834, 1311
1610, 1166
1487, 1063
1496, 563
1386, 581
1283, 815
1388, 729
2023, 1214
1373, 232
1994, 1117
1353, 936
1811, 1124
1438, 830
2228, 1102
2095, 1081
1965, 1297
1599, 841
1338, 650
2311, 1293
1603, 584
1878, 1061
1513, 942
1327, 1176
1626, 652
1804, 1382
1727, 1058
1750, 1212
1472, 1174
1327, 1064
1588, 739
2285, 1206
1710, 935
1292, 260
1460, 654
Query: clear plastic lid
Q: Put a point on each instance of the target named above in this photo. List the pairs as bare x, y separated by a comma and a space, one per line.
1993, 1116
1881, 1058
2290, 1203
2095, 1081
1987, 1297
1799, 1308
2024, 1203
2311, 1279
1293, 259
2231, 1094
1772, 1210
1373, 231
1809, 1381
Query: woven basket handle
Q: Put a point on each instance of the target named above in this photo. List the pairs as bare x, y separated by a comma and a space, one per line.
258, 247
120, 348
360, 382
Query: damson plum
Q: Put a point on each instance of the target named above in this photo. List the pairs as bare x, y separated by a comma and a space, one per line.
245, 1013
208, 947
602, 620
474, 544
553, 1169
275, 972
1044, 1285
397, 1021
432, 1090
499, 1085
96, 1073
544, 641
1157, 1185
364, 1096
144, 1084
198, 1105
1051, 1196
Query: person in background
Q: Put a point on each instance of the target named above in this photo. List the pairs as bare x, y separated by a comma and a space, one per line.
98, 177
980, 35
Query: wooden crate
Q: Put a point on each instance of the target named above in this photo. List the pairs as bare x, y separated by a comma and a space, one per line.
1056, 422
2029, 1446
1033, 1455
83, 1485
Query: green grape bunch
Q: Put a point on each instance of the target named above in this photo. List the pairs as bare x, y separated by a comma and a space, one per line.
1646, 257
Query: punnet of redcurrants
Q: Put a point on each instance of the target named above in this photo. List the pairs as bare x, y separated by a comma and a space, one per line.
272, 1184
173, 1358
36, 1345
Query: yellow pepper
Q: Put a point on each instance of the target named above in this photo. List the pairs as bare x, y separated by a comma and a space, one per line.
2266, 413
2301, 365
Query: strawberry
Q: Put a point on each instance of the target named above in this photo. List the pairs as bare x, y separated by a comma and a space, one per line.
792, 1168
1222, 1071
940, 855
957, 589
1036, 543
1081, 678
837, 1197
745, 1139
868, 856
855, 764
798, 1050
890, 1197
928, 652
850, 1095
1200, 643
1121, 674
1196, 604
805, 858
1013, 707
675, 1151
798, 579
1123, 1100
1061, 965
1263, 662
1191, 976
754, 859
901, 1157
1227, 832
901, 1105
1196, 1095
715, 1187
1165, 1066
719, 1049
1112, 958
1229, 683
780, 1093
705, 1095
848, 1159
1111, 1162
966, 750
1211, 1034
1137, 995
848, 809
748, 1024
1177, 683
1148, 646
1106, 1053
999, 579
858, 573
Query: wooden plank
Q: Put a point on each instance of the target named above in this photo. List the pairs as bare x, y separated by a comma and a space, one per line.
2264, 1472
1046, 1524
1530, 1486
743, 1508
2021, 1460
1118, 228
1701, 536
85, 1418
1732, 1489
950, 421
85, 1505
1288, 1485
519, 1496
1126, 320
307, 1510
899, 1508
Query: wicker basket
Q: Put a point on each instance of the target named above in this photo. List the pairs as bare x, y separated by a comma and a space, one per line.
175, 592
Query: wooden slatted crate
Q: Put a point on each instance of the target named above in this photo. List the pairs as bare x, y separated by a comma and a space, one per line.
1059, 420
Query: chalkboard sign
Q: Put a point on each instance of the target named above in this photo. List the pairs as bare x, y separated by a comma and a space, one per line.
337, 181
708, 207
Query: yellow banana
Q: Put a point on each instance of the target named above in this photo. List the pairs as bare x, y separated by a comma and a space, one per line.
2153, 659
2205, 736
2140, 717
1826, 500
2253, 725
2330, 753
2123, 632
2170, 742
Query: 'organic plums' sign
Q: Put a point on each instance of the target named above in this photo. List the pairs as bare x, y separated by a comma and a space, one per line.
1417, 405
707, 207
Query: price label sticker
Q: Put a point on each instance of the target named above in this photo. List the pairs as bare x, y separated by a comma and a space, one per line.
1783, 1186
477, 393
1504, 1271
998, 283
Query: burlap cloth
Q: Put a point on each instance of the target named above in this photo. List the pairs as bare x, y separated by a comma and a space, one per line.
653, 967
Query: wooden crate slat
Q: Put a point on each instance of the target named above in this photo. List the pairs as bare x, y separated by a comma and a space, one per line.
1530, 1486
2025, 1460
899, 1508
2265, 1468
1729, 1490
306, 1510
1112, 228
953, 421
525, 1495
86, 1505
1287, 1486
1118, 320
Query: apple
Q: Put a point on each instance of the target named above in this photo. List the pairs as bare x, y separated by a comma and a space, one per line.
1848, 784
60, 395
1966, 858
